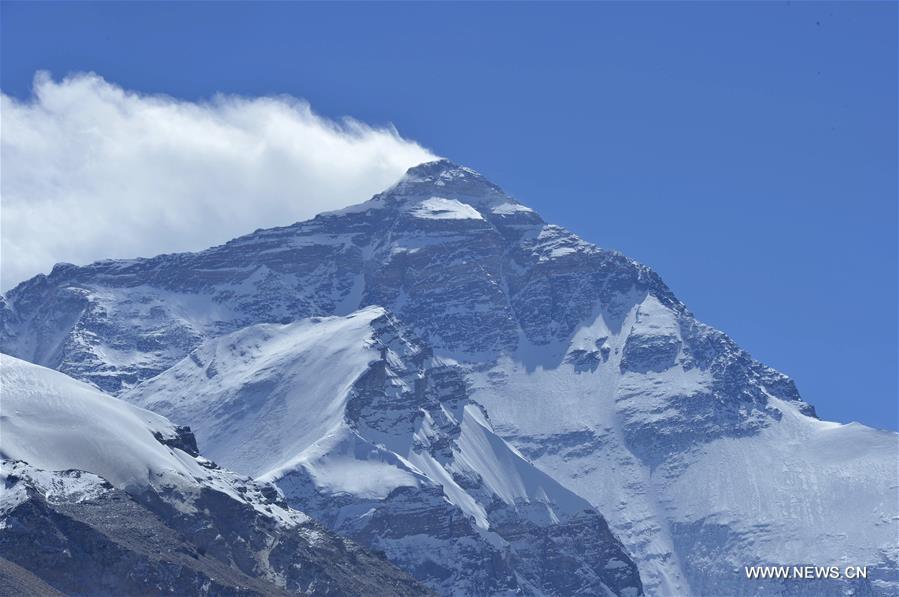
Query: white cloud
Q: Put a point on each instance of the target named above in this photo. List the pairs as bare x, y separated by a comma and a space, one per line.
90, 171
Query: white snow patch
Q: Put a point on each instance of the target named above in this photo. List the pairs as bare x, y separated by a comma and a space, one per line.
343, 462
655, 319
507, 474
439, 208
507, 209
561, 252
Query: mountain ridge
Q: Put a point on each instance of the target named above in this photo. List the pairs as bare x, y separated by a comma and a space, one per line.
583, 360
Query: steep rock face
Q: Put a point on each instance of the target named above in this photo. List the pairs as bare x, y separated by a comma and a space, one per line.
387, 447
584, 360
469, 272
112, 505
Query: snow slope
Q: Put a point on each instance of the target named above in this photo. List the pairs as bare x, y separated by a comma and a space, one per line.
261, 397
53, 422
89, 479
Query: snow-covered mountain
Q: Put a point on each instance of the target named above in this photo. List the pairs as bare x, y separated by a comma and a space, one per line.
525, 374
373, 435
103, 498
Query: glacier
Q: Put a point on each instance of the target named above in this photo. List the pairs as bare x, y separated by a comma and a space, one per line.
441, 375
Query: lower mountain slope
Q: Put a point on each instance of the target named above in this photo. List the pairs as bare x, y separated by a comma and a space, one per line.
360, 425
102, 498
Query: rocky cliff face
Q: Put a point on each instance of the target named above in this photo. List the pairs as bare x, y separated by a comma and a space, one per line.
578, 359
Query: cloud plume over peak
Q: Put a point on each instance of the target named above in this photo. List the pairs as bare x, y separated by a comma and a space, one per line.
91, 170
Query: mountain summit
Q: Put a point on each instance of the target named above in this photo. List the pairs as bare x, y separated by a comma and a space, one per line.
486, 398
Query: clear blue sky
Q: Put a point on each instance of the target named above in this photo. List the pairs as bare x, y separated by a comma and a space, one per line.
747, 152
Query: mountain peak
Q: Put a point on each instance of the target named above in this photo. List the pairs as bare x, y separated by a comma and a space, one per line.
444, 173
445, 180
439, 168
